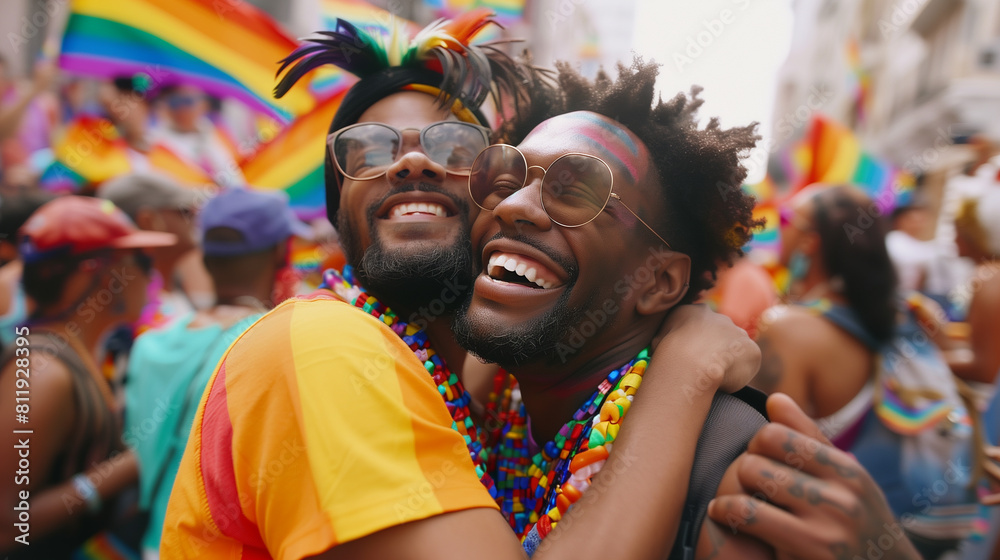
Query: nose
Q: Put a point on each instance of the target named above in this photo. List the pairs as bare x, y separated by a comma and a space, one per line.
413, 165
523, 208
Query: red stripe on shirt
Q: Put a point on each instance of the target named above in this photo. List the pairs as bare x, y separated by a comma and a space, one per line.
218, 471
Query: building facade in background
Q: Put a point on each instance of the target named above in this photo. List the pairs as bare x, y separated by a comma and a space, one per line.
913, 79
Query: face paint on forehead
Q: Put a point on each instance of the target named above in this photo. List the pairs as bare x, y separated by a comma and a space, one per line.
608, 140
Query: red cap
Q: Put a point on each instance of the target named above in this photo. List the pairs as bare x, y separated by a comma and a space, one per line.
73, 225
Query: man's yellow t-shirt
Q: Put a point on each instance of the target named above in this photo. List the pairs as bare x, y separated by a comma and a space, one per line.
319, 427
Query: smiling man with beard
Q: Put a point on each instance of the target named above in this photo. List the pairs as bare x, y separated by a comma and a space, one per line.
611, 211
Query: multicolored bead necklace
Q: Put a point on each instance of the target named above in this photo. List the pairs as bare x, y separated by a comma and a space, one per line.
456, 398
534, 492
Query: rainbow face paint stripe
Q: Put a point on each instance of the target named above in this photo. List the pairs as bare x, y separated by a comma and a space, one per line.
607, 140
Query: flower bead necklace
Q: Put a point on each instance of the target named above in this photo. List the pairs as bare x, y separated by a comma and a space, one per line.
534, 492
456, 398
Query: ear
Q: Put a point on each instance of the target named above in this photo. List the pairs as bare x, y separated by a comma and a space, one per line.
281, 255
668, 284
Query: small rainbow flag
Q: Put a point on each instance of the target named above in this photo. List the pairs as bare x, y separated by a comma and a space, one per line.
766, 240
90, 151
293, 160
87, 153
836, 156
908, 419
507, 11
227, 47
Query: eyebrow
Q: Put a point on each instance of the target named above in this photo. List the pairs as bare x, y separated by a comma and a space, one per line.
601, 134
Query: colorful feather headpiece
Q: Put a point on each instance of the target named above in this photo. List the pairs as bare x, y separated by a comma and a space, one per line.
439, 60
438, 57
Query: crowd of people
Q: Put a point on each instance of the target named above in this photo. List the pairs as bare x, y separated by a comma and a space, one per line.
525, 250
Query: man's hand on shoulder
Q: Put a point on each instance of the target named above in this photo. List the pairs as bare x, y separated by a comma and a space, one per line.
711, 344
804, 497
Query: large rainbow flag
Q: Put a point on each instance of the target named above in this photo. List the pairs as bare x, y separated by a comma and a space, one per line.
293, 160
227, 47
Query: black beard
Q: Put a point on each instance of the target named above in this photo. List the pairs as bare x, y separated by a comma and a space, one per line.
535, 341
438, 278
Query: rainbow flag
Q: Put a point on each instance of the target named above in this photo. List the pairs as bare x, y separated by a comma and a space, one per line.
836, 156
226, 47
87, 153
90, 151
861, 81
293, 160
507, 11
164, 160
766, 240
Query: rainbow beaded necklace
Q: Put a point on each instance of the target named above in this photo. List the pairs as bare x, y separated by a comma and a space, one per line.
456, 398
535, 491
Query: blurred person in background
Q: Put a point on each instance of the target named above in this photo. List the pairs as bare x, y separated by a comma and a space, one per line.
245, 238
28, 114
977, 360
123, 98
189, 133
825, 351
85, 270
911, 256
156, 202
14, 212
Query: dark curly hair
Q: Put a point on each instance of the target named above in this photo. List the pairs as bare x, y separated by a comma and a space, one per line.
709, 217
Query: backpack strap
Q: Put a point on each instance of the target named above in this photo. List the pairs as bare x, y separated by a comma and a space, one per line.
732, 421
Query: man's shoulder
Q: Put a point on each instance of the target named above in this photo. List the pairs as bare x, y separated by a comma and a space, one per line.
309, 331
322, 309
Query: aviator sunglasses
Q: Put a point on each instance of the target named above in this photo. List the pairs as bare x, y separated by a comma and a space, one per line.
575, 188
365, 151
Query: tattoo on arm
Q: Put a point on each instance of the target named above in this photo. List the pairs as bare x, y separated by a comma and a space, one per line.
771, 369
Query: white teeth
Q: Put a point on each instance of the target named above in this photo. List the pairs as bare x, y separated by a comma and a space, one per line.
497, 263
422, 207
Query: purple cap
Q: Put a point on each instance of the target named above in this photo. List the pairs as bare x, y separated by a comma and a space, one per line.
262, 218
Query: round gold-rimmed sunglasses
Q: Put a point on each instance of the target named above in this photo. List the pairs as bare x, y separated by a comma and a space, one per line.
575, 188
365, 151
